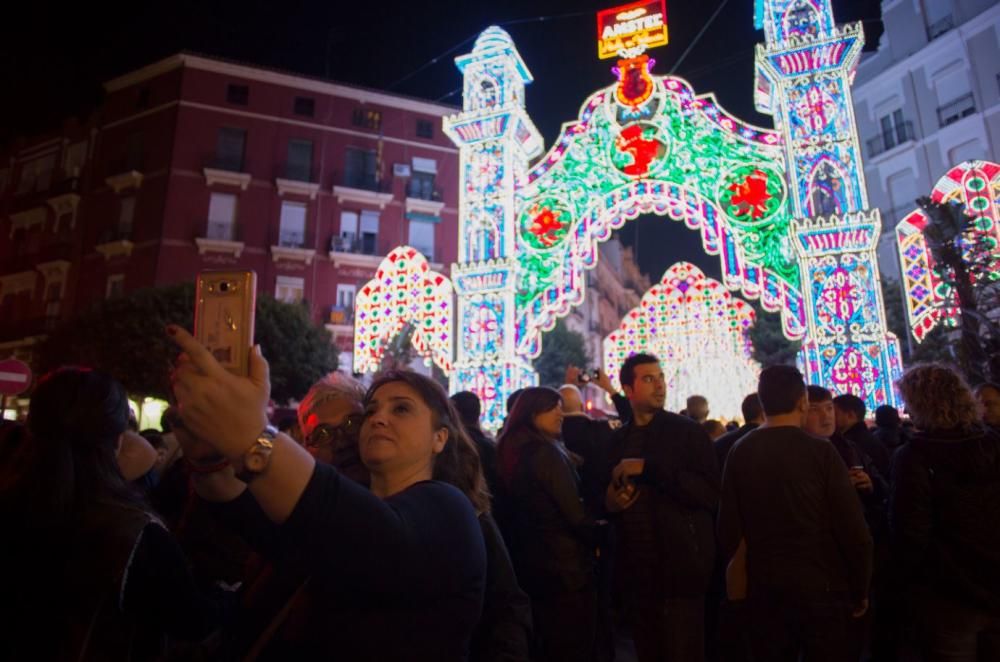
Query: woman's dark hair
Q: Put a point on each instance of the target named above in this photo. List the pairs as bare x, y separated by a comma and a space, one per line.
458, 464
75, 420
520, 426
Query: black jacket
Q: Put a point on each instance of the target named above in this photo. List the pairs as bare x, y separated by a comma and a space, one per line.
682, 473
875, 502
861, 436
550, 537
944, 515
591, 440
725, 443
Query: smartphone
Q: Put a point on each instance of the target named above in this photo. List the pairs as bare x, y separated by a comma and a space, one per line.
224, 316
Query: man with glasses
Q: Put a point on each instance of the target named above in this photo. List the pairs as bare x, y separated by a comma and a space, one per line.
665, 490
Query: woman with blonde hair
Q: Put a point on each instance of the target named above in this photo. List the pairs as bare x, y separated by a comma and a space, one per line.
944, 510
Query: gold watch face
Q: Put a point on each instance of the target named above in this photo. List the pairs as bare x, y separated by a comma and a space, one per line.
255, 461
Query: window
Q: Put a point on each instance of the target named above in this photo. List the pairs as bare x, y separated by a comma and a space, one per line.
230, 146
902, 194
289, 289
425, 129
895, 131
115, 287
36, 174
369, 232
954, 94
367, 118
299, 165
305, 106
345, 296
53, 293
292, 232
421, 186
221, 217
126, 213
937, 14
75, 157
422, 237
238, 95
360, 166
967, 151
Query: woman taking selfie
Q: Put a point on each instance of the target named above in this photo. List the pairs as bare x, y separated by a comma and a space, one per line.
551, 539
401, 567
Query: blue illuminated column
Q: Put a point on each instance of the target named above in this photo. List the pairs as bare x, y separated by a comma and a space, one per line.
804, 75
496, 140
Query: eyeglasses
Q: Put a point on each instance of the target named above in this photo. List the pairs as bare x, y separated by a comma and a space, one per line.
324, 434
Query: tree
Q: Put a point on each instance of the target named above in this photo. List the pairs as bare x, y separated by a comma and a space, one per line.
561, 347
770, 346
125, 337
968, 269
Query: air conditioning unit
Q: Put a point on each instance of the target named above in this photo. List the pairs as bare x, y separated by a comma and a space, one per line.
400, 169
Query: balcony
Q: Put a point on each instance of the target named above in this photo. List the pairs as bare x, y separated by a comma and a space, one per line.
220, 237
341, 316
355, 251
955, 110
939, 27
363, 188
290, 248
228, 171
297, 179
423, 198
115, 243
126, 173
889, 139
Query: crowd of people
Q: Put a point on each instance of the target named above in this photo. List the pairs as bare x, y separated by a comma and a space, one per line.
386, 524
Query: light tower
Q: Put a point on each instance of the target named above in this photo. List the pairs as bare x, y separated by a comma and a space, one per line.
496, 140
804, 75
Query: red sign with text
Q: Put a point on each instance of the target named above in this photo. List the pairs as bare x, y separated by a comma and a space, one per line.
639, 25
15, 377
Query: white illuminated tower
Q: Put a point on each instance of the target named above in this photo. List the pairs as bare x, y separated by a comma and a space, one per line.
496, 140
804, 75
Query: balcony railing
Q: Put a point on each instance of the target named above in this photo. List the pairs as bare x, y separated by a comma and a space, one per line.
341, 315
422, 190
939, 27
115, 234
364, 245
888, 139
365, 181
299, 172
955, 110
222, 230
291, 239
223, 162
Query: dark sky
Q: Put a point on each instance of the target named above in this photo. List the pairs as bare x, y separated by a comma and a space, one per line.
53, 58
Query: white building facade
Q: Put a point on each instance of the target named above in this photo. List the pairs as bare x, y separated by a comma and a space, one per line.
928, 99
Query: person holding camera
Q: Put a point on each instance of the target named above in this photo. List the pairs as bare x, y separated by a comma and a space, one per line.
665, 490
400, 568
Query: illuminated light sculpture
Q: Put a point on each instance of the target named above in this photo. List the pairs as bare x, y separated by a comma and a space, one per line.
975, 184
699, 331
404, 291
785, 210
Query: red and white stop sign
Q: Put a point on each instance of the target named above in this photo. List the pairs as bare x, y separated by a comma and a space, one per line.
15, 377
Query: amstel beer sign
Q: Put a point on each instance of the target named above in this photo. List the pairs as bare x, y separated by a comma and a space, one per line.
632, 28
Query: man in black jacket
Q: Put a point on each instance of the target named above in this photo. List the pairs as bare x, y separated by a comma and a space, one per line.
850, 411
753, 416
809, 554
665, 489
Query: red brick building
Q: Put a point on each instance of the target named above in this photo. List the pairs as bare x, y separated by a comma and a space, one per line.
196, 163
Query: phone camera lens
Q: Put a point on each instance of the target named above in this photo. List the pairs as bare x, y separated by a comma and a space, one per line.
223, 286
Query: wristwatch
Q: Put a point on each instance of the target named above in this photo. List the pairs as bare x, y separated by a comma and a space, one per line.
258, 457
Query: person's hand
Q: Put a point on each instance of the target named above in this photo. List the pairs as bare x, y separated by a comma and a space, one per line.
860, 609
618, 498
193, 449
604, 382
862, 481
218, 407
572, 375
627, 468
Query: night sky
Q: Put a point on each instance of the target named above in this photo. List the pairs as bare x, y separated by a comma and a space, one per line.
54, 59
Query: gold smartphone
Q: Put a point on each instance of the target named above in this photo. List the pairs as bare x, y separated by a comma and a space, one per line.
224, 316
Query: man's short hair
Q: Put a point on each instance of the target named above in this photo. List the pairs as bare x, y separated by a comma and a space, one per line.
780, 388
696, 400
851, 403
886, 416
330, 387
751, 408
817, 393
468, 406
627, 374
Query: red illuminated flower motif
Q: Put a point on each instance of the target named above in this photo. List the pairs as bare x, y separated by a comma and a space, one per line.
643, 150
546, 227
750, 196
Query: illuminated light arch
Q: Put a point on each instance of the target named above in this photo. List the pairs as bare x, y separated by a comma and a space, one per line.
976, 184
828, 180
699, 331
404, 291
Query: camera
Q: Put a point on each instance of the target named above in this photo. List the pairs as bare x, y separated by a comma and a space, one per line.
586, 376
